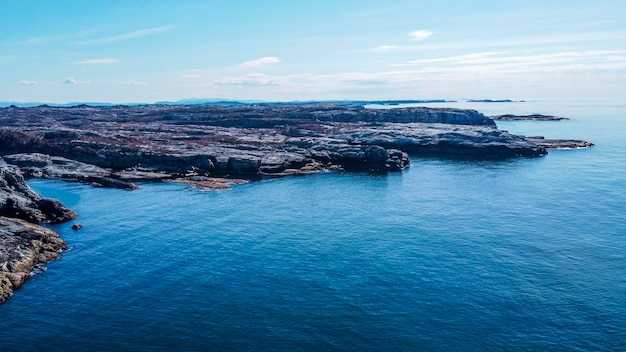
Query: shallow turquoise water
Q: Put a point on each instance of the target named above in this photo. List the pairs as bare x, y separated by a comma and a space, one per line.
525, 254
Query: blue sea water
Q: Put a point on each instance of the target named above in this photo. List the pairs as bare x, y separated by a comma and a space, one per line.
449, 255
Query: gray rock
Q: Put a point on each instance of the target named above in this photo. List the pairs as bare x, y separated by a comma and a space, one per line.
560, 143
278, 162
54, 167
23, 247
243, 164
18, 200
245, 141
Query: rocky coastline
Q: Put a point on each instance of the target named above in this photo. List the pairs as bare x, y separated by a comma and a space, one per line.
24, 245
212, 146
117, 145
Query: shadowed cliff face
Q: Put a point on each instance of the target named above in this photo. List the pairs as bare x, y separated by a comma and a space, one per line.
17, 200
253, 140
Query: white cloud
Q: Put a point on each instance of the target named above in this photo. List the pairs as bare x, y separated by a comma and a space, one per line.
71, 80
28, 83
420, 34
475, 72
264, 61
126, 36
96, 62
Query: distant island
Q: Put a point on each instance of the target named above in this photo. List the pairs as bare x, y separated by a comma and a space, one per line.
230, 102
494, 101
212, 146
533, 117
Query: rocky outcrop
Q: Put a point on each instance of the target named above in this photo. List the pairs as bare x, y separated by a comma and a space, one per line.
532, 117
443, 139
23, 247
560, 143
123, 144
38, 165
114, 146
17, 200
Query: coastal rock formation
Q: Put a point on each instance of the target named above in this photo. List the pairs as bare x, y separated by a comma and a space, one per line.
38, 165
17, 200
532, 117
114, 146
560, 143
435, 139
23, 247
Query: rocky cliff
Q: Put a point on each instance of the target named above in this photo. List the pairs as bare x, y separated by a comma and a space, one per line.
24, 245
245, 141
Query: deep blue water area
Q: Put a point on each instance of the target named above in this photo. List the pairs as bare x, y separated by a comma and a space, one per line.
449, 255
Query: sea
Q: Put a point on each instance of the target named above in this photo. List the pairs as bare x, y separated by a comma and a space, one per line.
452, 254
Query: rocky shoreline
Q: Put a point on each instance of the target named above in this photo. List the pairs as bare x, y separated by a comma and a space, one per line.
212, 146
132, 143
24, 245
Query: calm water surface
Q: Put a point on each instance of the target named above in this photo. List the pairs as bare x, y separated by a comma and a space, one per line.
450, 255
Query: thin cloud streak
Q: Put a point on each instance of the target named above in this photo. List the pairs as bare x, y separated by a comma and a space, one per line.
539, 59
264, 61
127, 36
520, 42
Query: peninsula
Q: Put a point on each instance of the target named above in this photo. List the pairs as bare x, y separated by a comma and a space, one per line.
212, 146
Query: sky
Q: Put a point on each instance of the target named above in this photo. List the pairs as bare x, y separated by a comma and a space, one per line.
126, 51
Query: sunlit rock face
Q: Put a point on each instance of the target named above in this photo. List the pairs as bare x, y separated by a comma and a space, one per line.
236, 140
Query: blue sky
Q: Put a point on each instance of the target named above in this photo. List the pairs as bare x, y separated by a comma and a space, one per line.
146, 51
